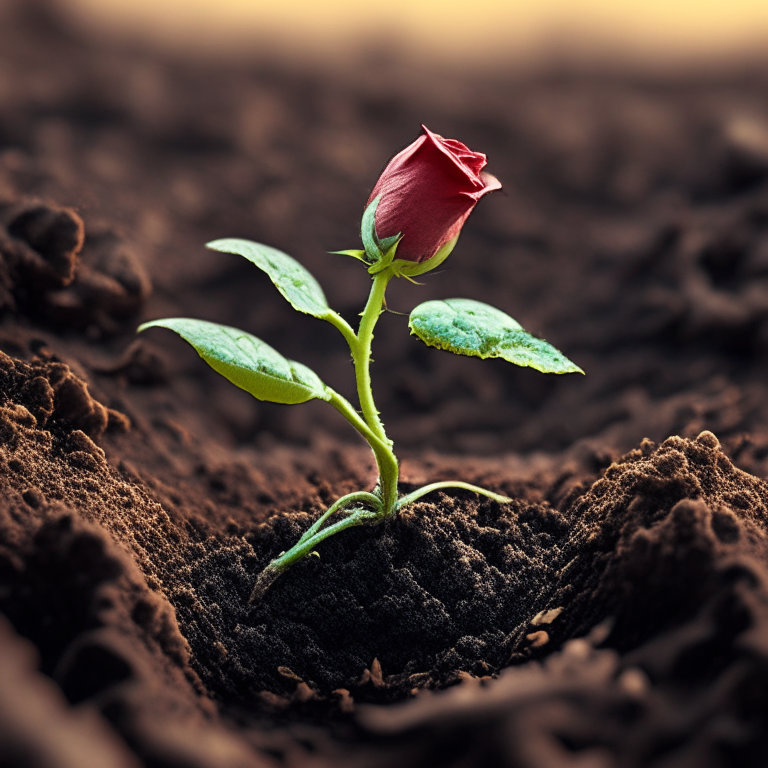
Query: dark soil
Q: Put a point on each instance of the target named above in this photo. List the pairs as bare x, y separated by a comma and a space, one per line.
615, 614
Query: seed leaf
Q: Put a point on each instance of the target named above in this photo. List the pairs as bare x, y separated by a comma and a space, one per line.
467, 327
247, 361
294, 281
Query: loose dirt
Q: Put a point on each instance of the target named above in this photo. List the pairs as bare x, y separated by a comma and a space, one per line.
615, 614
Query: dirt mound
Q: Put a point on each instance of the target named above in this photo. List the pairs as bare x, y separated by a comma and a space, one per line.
673, 565
457, 586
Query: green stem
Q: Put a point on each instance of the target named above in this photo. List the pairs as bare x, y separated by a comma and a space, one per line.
346, 330
386, 461
384, 499
423, 491
362, 355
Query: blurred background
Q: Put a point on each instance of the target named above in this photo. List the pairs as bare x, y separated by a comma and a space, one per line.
631, 139
451, 32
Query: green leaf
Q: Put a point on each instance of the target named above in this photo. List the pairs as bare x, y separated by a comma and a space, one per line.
295, 282
467, 327
247, 361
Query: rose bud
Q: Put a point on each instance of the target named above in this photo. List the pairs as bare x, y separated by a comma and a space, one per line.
425, 195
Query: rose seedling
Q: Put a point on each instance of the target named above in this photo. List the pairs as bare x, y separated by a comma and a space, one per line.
411, 224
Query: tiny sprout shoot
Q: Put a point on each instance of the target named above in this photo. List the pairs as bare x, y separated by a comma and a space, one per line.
461, 326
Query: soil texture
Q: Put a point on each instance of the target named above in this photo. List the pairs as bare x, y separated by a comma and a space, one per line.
614, 614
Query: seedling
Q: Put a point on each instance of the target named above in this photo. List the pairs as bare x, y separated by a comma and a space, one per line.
410, 225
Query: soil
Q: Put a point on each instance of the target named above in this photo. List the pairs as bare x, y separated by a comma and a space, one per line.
615, 614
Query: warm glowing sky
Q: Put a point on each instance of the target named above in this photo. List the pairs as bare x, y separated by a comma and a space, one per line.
475, 28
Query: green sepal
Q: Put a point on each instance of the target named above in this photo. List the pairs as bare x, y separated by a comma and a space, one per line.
295, 282
467, 327
368, 232
387, 259
354, 253
380, 253
404, 268
247, 362
388, 242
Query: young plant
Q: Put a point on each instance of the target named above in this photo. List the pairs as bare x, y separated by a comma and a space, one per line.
411, 224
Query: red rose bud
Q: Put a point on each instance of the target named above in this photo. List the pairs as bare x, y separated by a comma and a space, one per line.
426, 193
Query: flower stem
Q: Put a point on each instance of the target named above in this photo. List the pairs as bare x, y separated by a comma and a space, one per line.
362, 355
386, 461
